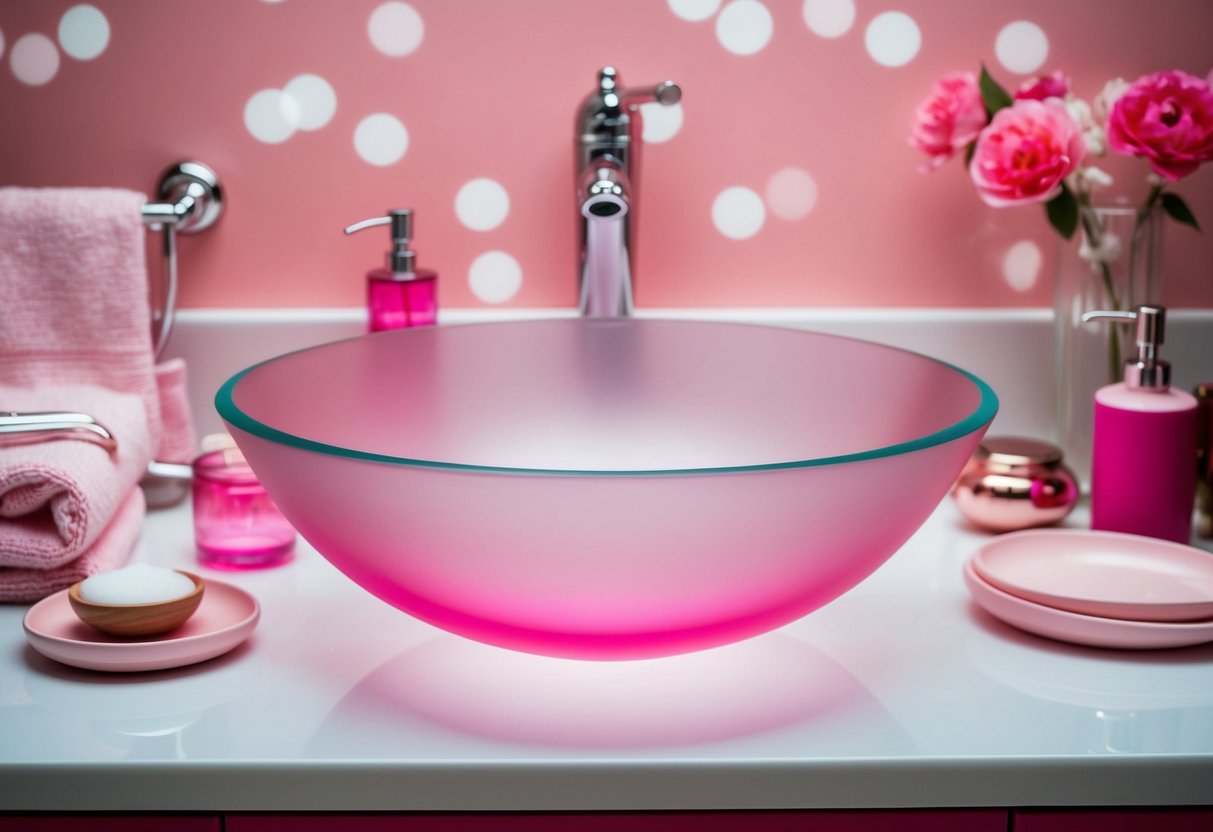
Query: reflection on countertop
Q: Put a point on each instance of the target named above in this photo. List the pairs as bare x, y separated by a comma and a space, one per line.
733, 693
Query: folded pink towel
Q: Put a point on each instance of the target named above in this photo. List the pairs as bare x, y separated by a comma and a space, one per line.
74, 336
109, 551
56, 497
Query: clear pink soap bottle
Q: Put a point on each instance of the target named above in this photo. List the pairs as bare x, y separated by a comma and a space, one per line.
399, 295
1143, 460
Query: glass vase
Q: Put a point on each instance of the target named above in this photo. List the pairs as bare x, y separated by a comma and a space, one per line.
1113, 263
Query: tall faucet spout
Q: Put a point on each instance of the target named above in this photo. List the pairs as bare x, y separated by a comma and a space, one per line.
606, 274
606, 286
608, 140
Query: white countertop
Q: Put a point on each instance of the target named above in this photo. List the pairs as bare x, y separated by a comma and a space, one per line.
902, 693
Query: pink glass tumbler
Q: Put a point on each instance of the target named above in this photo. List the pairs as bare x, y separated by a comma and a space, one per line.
236, 524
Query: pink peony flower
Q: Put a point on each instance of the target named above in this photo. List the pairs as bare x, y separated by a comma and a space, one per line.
1046, 86
1167, 119
949, 118
1025, 153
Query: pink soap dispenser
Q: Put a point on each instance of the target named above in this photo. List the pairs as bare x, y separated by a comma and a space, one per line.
399, 295
1144, 445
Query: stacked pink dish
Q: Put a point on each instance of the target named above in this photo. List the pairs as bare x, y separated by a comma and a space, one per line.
1102, 589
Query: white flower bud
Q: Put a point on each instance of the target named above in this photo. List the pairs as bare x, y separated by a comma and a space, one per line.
1102, 105
1095, 140
1080, 111
1093, 177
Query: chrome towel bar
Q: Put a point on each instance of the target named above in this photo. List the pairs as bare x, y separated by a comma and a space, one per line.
22, 428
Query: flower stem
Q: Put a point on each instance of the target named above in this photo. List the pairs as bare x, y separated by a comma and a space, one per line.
1143, 214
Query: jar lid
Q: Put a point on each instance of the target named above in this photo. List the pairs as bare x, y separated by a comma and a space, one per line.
1017, 450
225, 465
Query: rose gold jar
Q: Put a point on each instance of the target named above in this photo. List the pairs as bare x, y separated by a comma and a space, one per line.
1014, 483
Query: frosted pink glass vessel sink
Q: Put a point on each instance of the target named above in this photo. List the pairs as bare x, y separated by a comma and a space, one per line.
606, 488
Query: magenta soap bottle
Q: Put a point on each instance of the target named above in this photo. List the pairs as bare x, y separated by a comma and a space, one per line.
236, 524
398, 294
1143, 460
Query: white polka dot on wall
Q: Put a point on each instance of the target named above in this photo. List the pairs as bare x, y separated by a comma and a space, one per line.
271, 116
694, 10
660, 123
738, 213
34, 59
495, 277
1022, 47
482, 204
307, 102
313, 98
396, 29
381, 139
829, 18
892, 39
791, 194
744, 27
1021, 265
84, 32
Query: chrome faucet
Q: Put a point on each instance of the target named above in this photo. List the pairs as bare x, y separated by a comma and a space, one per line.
607, 168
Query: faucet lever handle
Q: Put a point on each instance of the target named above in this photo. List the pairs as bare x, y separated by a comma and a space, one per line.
666, 94
613, 95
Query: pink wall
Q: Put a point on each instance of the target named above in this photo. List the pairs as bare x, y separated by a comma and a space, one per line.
489, 92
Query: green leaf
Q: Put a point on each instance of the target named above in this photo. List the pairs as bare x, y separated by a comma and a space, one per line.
1178, 210
969, 151
992, 94
1062, 211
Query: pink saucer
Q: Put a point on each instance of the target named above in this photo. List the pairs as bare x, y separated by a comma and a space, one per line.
1105, 574
225, 618
1083, 629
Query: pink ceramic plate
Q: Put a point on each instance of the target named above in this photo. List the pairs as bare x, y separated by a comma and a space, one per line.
1102, 573
225, 618
1083, 629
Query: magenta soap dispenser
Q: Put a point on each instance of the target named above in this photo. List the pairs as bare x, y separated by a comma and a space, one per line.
399, 295
1143, 457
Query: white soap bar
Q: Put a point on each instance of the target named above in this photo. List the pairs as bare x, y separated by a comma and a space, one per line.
139, 583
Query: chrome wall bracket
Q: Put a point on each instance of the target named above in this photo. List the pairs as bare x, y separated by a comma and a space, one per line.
192, 198
192, 201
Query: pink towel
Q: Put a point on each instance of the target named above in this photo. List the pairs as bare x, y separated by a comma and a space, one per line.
74, 336
73, 287
178, 441
56, 497
109, 551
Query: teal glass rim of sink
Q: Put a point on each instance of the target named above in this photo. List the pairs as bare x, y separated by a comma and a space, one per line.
981, 414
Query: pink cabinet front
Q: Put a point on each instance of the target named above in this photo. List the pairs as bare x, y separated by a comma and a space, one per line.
943, 820
111, 823
1196, 819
